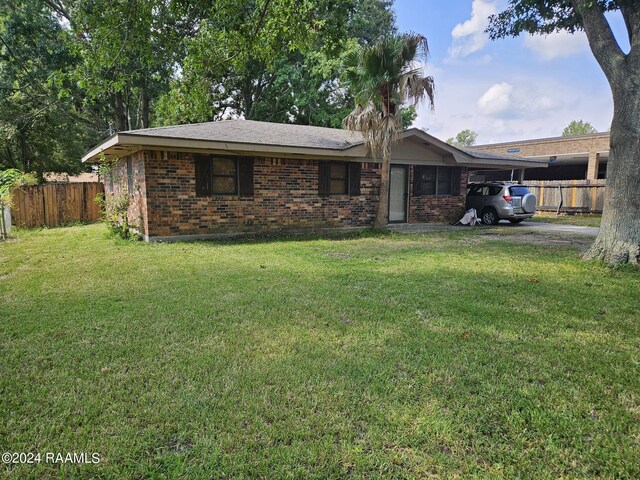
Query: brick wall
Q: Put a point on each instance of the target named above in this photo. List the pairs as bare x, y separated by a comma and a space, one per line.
552, 146
164, 201
137, 211
437, 209
285, 198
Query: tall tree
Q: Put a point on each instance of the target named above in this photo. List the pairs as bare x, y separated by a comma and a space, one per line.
273, 60
578, 127
464, 138
384, 76
126, 51
42, 123
619, 237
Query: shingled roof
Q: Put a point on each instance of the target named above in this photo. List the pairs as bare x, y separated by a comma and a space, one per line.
286, 140
263, 133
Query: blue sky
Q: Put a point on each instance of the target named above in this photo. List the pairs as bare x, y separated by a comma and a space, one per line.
511, 89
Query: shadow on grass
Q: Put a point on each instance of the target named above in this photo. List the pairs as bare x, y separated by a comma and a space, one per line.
259, 238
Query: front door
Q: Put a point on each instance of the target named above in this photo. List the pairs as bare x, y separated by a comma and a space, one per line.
398, 186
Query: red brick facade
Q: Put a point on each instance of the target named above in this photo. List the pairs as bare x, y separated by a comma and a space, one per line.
164, 202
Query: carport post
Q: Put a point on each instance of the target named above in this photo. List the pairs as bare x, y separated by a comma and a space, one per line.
521, 175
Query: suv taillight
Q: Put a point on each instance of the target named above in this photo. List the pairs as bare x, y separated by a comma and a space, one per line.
508, 199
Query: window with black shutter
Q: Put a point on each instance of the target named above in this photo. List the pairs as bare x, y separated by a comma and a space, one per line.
223, 175
432, 180
339, 178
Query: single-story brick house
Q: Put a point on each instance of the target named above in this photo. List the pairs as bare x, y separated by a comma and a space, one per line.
212, 179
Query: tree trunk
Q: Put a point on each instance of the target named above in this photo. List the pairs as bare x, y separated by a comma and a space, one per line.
144, 100
382, 214
121, 114
619, 237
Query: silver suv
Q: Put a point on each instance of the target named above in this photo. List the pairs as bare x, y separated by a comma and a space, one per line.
496, 201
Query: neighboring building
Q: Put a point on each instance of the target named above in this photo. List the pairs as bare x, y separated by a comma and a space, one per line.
580, 157
238, 176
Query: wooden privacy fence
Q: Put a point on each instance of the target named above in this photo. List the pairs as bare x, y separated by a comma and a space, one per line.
56, 204
575, 195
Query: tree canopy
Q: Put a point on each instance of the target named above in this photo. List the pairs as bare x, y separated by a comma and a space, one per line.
42, 123
578, 127
464, 138
290, 76
73, 72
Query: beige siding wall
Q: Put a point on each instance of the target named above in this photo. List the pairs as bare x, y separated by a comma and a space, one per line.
588, 146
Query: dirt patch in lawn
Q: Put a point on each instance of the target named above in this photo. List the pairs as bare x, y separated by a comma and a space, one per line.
575, 241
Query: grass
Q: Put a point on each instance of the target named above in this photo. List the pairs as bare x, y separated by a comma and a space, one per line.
581, 219
449, 355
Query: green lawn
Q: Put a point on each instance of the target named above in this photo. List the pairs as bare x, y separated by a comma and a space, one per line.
581, 219
459, 354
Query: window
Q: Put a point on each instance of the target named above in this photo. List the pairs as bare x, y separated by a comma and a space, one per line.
431, 180
444, 181
223, 175
339, 178
426, 180
484, 191
518, 191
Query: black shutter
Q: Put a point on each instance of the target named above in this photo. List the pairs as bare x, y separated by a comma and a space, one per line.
245, 175
456, 178
417, 175
323, 179
354, 178
203, 175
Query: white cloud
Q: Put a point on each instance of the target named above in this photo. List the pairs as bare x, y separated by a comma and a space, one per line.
469, 37
557, 45
497, 99
535, 106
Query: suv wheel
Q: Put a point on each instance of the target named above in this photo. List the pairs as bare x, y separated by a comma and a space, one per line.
490, 217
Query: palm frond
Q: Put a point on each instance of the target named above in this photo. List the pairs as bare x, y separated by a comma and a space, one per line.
382, 76
378, 131
413, 88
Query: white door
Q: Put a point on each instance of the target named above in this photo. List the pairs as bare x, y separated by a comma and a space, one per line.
398, 194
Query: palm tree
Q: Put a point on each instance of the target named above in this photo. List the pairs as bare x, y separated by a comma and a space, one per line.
383, 77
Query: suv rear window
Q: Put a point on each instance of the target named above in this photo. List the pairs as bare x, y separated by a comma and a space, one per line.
519, 191
484, 190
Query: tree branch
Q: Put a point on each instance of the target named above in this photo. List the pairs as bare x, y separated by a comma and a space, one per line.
631, 16
603, 43
58, 7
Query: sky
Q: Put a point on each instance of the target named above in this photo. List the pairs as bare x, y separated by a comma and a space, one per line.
510, 89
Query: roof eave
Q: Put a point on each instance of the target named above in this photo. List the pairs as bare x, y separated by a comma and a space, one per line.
93, 155
128, 143
503, 163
